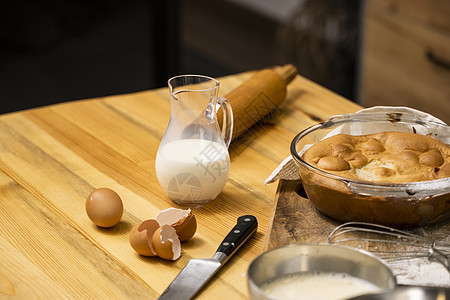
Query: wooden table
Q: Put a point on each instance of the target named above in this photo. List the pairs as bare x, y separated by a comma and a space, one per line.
51, 158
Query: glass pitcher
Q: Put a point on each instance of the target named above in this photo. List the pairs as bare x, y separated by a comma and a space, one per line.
192, 162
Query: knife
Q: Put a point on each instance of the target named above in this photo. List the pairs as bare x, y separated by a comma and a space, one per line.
197, 272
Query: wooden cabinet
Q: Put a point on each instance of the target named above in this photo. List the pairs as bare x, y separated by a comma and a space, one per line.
406, 55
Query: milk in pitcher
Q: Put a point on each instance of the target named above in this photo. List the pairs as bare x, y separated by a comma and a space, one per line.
192, 171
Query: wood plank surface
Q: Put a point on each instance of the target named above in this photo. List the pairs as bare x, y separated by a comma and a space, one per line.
405, 60
433, 12
52, 157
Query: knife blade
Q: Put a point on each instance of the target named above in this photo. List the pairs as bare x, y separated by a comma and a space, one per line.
198, 272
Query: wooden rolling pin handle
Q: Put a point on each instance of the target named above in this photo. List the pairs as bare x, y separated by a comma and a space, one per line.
287, 72
258, 96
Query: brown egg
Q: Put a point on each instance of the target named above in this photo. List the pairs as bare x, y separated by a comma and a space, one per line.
104, 207
166, 243
141, 237
183, 221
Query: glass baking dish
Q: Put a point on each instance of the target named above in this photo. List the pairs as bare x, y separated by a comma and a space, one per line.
345, 199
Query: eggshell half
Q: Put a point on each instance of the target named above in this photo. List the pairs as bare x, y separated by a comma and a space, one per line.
166, 243
141, 237
104, 207
182, 220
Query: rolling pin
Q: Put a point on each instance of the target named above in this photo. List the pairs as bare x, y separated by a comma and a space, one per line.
258, 96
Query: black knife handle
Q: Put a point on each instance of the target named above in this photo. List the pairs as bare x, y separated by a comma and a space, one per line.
245, 227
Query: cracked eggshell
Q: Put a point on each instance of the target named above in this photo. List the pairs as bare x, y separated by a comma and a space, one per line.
141, 237
182, 220
166, 243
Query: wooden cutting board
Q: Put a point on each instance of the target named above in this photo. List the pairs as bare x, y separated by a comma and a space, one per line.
295, 220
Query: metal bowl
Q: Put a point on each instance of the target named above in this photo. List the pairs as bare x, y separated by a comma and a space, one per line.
400, 204
300, 258
409, 293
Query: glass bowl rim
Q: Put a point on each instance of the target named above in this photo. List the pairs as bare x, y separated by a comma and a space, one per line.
355, 117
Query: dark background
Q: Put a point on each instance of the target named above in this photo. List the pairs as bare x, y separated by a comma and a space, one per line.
56, 51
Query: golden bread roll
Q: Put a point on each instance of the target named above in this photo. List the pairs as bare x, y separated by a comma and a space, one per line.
385, 157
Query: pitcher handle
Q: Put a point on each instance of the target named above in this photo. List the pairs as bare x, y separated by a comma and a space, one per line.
227, 123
